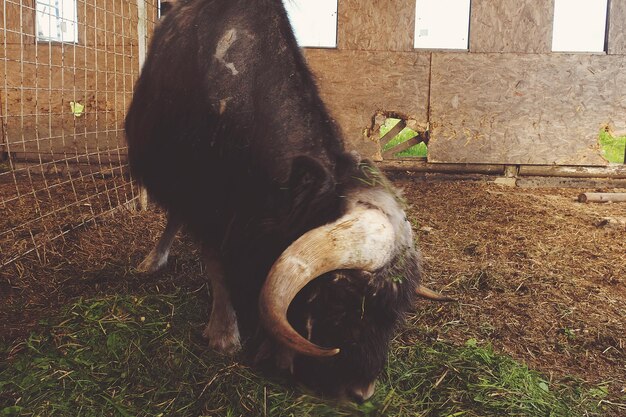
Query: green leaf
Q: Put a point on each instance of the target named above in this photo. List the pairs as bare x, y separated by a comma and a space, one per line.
601, 391
471, 343
77, 108
11, 411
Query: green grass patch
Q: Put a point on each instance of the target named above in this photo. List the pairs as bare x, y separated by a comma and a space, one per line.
419, 150
613, 148
127, 356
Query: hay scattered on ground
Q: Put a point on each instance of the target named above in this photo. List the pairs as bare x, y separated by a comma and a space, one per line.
539, 276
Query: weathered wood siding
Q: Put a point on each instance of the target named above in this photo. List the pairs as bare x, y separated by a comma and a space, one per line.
356, 84
524, 108
42, 78
617, 27
374, 25
508, 100
19, 19
511, 26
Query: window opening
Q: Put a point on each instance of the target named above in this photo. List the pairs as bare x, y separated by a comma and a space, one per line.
442, 24
57, 21
314, 22
400, 139
579, 26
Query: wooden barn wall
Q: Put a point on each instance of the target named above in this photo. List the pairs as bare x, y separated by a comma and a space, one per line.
617, 27
524, 108
357, 84
43, 77
511, 26
374, 25
508, 100
37, 110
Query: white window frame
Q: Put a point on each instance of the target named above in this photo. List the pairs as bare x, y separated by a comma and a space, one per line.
442, 24
580, 26
314, 22
56, 21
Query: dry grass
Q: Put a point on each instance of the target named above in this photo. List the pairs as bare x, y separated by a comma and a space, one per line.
540, 277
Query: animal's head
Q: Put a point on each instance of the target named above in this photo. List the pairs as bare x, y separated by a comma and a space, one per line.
334, 297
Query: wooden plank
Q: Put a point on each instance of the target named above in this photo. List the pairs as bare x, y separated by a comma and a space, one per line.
392, 133
20, 23
3, 136
416, 140
561, 182
41, 81
601, 197
511, 26
544, 109
421, 165
373, 25
617, 27
356, 84
110, 22
611, 171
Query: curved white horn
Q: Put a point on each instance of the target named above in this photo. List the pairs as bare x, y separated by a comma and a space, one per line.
429, 294
361, 239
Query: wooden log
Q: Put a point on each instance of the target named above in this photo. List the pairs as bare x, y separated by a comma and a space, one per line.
421, 165
611, 171
601, 197
564, 182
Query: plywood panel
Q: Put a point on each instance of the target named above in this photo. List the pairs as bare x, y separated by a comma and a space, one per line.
20, 22
356, 84
511, 26
617, 27
373, 25
524, 108
100, 22
43, 79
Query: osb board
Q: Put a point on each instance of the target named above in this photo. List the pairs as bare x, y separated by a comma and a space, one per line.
102, 22
617, 27
373, 25
20, 22
524, 108
511, 26
41, 83
356, 84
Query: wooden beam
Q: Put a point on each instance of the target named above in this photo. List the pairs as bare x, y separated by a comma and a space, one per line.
401, 147
421, 165
611, 171
601, 197
4, 148
392, 133
562, 182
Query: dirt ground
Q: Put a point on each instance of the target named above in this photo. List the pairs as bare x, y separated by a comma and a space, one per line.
537, 274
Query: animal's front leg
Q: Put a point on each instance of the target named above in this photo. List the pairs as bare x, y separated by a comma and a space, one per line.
222, 330
157, 258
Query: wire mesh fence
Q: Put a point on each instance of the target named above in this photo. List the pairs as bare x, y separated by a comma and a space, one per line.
68, 69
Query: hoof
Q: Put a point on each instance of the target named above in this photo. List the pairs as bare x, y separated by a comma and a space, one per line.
152, 263
223, 338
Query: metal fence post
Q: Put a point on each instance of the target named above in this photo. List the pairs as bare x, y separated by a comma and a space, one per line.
142, 34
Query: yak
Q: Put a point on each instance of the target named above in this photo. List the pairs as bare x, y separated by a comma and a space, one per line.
309, 253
